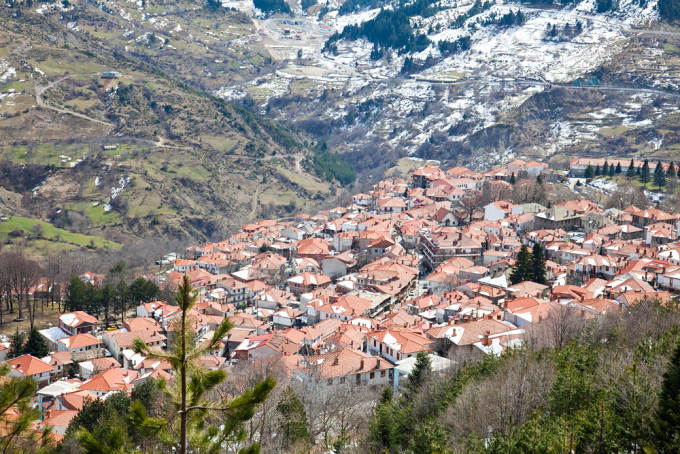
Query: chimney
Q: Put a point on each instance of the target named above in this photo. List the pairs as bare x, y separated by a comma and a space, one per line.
377, 363
486, 341
361, 364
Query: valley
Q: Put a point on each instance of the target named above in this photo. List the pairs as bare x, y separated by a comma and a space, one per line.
225, 113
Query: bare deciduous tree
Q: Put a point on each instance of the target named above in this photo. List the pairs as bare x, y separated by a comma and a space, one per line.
506, 399
562, 325
626, 195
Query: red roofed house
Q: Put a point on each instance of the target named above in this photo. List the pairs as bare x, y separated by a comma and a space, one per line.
349, 367
58, 420
78, 322
314, 248
116, 379
396, 344
306, 282
79, 343
30, 366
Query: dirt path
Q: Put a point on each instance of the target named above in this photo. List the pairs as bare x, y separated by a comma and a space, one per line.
298, 160
41, 89
162, 142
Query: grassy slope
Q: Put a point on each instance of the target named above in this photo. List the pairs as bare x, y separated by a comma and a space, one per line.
213, 157
61, 237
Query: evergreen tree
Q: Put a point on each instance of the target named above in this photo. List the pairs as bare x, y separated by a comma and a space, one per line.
589, 172
605, 168
213, 5
667, 424
669, 10
644, 172
612, 170
106, 301
36, 345
659, 175
512, 178
597, 170
386, 395
16, 344
637, 171
523, 270
422, 369
76, 295
539, 179
618, 168
538, 264
631, 168
142, 291
192, 382
670, 172
293, 424
17, 415
121, 299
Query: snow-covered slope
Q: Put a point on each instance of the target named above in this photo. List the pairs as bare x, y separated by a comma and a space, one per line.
528, 89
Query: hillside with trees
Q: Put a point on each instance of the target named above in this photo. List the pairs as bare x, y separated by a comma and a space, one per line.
133, 156
602, 385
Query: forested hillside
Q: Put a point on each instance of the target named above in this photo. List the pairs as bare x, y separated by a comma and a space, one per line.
579, 386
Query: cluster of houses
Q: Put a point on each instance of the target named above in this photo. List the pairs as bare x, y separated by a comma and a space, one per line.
350, 296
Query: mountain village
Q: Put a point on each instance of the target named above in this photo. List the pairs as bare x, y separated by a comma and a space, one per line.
442, 263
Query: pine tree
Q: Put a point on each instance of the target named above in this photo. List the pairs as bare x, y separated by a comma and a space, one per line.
618, 167
293, 424
192, 382
659, 175
17, 415
597, 170
16, 344
512, 178
612, 171
385, 395
670, 172
589, 172
667, 421
36, 345
637, 171
605, 168
538, 264
76, 295
644, 172
422, 369
631, 168
539, 179
523, 266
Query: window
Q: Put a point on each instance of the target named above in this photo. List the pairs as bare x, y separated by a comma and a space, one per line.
330, 381
342, 380
358, 379
382, 373
372, 375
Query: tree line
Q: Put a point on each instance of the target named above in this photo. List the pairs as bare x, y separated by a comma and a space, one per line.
641, 172
111, 300
20, 275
